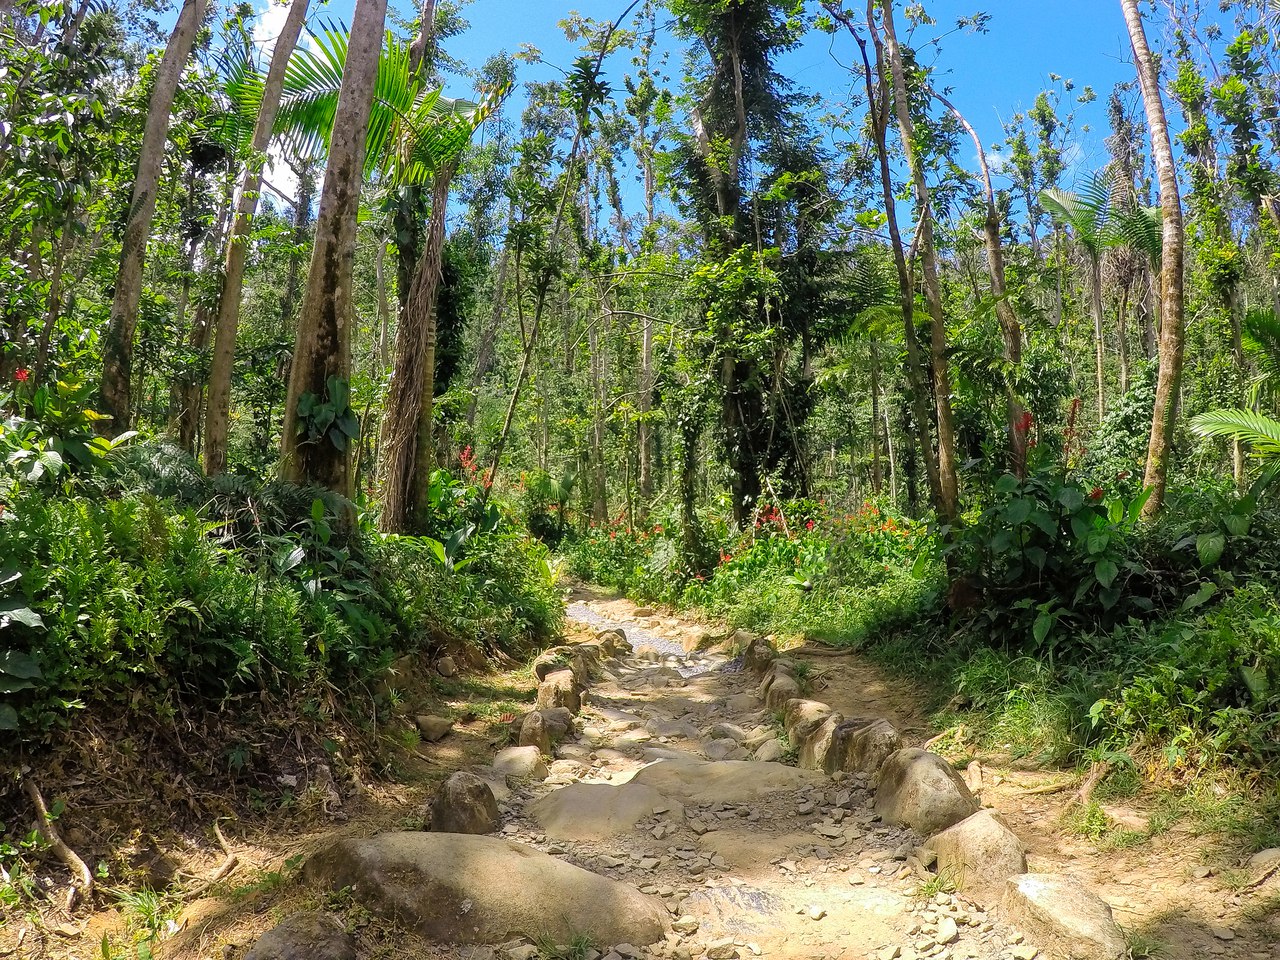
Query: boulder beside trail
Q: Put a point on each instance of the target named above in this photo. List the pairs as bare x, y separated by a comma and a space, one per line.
455, 888
757, 653
560, 689
464, 804
433, 728
979, 854
545, 728
781, 688
520, 762
920, 790
1063, 918
862, 745
305, 936
594, 811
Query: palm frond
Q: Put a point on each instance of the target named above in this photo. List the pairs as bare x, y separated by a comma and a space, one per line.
1086, 212
1261, 330
1258, 430
1140, 228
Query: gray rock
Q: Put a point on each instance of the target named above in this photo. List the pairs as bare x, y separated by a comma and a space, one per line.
454, 888
979, 854
1062, 917
464, 804
305, 936
433, 728
814, 742
446, 667
920, 790
723, 749
521, 762
861, 745
781, 689
757, 654
535, 732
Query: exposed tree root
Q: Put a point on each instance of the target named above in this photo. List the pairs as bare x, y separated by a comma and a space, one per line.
225, 870
1099, 770
82, 889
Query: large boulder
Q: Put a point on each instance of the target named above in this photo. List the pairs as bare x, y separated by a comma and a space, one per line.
545, 728
920, 790
1061, 917
550, 661
560, 689
979, 854
433, 728
700, 782
305, 936
813, 743
862, 745
465, 889
464, 804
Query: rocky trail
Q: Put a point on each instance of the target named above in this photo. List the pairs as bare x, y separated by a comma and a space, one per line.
678, 795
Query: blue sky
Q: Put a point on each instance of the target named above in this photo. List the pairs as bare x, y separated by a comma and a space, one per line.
992, 75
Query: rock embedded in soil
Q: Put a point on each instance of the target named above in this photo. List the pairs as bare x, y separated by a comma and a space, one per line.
920, 790
979, 854
781, 689
305, 936
521, 762
464, 804
594, 811
468, 889
446, 667
1062, 917
769, 751
433, 728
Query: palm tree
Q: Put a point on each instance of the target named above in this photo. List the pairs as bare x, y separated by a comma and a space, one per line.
1261, 334
1088, 214
1172, 306
318, 420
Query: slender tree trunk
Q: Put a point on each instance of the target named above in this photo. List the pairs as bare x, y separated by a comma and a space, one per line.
877, 471
53, 309
878, 99
117, 359
599, 498
1232, 299
1010, 328
301, 224
948, 479
218, 408
322, 348
384, 307
1164, 417
1099, 346
484, 353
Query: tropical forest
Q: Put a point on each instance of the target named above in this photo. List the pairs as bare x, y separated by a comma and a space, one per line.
639, 480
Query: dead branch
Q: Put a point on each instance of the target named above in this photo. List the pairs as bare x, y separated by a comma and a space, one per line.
1099, 770
83, 888
225, 870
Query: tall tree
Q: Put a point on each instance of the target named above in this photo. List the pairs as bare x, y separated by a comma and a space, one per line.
319, 424
948, 478
117, 359
228, 322
1172, 336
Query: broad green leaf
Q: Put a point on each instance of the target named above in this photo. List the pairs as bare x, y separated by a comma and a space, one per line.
1201, 596
8, 717
1097, 542
1105, 571
1209, 547
18, 664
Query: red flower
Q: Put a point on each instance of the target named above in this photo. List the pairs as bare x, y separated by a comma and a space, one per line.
1096, 493
1025, 421
22, 375
809, 525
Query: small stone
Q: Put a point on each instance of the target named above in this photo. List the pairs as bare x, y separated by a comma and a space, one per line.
465, 804
1223, 933
446, 667
947, 931
815, 912
722, 950
526, 951
1202, 873
685, 925
1024, 952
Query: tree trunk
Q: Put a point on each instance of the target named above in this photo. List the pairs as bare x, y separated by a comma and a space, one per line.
877, 471
484, 352
117, 350
301, 222
218, 404
1164, 416
322, 348
1009, 326
948, 480
407, 445
878, 100
384, 307
1099, 347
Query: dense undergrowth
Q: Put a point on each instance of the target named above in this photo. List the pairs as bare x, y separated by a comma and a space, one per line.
132, 584
1053, 624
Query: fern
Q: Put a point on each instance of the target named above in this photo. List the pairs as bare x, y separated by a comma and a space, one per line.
1258, 430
